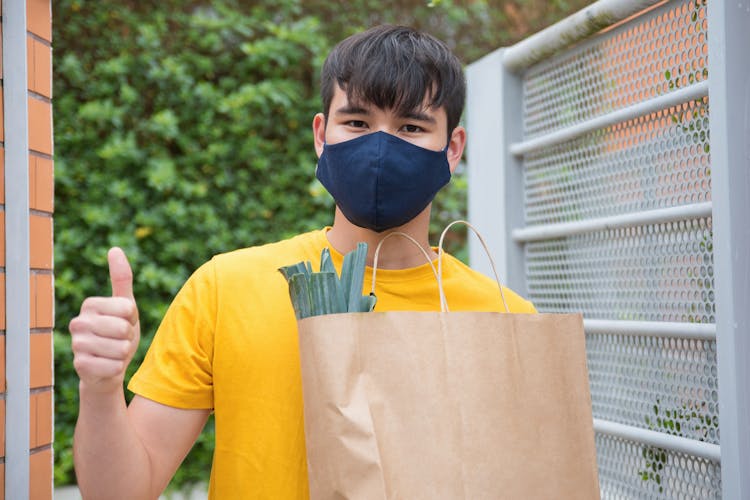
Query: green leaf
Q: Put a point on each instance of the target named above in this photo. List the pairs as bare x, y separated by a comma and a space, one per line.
353, 275
304, 268
326, 264
299, 291
326, 294
366, 303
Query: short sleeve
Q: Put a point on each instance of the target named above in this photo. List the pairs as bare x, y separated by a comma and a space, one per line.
177, 370
517, 304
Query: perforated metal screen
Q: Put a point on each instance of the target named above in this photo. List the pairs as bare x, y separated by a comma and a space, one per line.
630, 469
608, 168
655, 272
635, 269
654, 54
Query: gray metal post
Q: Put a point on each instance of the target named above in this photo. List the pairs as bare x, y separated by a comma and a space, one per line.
17, 249
729, 94
495, 175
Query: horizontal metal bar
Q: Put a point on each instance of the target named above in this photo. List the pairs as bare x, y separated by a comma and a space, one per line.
550, 231
703, 331
679, 444
685, 94
570, 30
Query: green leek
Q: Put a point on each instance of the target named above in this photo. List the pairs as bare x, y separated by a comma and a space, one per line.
324, 292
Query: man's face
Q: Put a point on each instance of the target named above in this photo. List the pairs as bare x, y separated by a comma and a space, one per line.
426, 127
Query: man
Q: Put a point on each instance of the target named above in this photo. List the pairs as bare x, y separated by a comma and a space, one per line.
387, 141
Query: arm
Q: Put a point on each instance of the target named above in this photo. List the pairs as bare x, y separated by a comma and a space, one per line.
131, 452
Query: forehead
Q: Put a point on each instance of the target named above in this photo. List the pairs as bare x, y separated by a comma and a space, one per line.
343, 103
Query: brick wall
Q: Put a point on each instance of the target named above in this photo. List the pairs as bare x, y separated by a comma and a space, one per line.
41, 305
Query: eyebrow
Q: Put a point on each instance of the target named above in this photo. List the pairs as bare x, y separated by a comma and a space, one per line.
352, 110
421, 116
412, 115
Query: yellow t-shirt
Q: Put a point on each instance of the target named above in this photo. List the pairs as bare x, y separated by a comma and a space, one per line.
229, 343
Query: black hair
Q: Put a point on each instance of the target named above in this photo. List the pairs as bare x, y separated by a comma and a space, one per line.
395, 67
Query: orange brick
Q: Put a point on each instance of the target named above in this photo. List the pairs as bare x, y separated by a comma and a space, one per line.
30, 67
32, 301
42, 69
2, 427
2, 371
41, 360
40, 126
2, 301
32, 421
2, 122
2, 473
44, 197
45, 313
32, 181
40, 236
2, 239
40, 475
40, 430
2, 167
39, 18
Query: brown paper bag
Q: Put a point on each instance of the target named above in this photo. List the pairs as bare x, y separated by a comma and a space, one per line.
456, 405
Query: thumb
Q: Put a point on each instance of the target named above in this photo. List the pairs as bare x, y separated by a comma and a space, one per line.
120, 273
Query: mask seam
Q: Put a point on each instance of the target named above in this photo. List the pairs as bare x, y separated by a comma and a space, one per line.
377, 182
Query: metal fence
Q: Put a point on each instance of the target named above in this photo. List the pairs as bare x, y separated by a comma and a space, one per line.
609, 165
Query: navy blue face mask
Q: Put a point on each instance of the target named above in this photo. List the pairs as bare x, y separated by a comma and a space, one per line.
380, 181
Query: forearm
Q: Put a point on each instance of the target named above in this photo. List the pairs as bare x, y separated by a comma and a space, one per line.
110, 460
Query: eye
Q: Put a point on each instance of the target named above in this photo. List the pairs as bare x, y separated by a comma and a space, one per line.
356, 124
412, 128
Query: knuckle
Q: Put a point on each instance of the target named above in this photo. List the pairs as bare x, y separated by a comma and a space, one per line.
77, 344
79, 365
124, 350
119, 367
74, 326
123, 330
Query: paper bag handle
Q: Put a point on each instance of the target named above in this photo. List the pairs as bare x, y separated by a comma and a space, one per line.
486, 250
439, 273
443, 304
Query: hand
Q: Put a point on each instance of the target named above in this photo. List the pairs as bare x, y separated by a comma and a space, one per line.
105, 334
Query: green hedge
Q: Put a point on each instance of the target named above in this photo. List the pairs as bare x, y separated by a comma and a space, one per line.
182, 129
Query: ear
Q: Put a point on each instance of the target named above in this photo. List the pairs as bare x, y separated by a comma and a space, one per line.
456, 147
319, 132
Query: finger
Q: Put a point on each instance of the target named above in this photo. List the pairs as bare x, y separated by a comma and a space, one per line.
101, 347
120, 273
87, 366
111, 327
110, 306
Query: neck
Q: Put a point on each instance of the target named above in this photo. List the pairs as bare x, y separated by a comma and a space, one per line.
396, 252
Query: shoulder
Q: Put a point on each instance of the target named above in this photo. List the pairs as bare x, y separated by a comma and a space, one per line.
271, 256
300, 246
475, 284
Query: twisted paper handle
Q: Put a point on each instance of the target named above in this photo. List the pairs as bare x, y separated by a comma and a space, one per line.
439, 272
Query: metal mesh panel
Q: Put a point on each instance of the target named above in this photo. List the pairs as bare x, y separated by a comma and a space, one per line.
656, 53
633, 470
654, 161
658, 272
662, 384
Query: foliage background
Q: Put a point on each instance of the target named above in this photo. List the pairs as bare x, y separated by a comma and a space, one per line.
182, 130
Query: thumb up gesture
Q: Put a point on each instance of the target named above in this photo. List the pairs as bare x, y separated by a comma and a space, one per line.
105, 334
